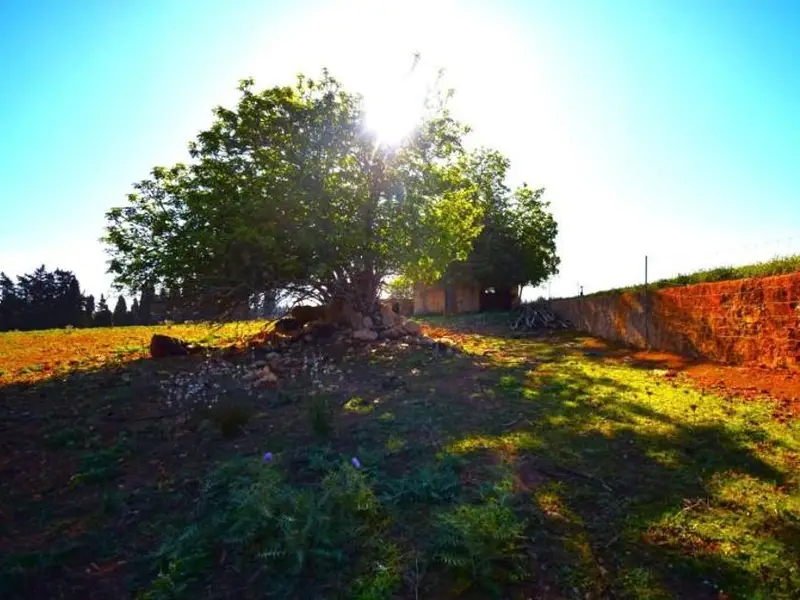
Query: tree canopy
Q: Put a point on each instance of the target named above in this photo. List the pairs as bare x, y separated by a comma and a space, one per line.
289, 190
517, 244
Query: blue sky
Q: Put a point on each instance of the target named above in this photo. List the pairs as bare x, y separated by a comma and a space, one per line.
663, 128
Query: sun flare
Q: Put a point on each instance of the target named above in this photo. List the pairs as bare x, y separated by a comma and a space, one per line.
394, 110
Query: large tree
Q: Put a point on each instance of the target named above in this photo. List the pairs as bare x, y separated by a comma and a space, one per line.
517, 244
290, 191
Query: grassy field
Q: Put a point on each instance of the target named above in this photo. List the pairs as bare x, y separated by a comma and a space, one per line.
782, 265
485, 466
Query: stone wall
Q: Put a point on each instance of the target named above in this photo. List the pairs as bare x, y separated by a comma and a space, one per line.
747, 321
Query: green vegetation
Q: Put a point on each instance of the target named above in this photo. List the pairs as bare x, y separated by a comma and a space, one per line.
290, 191
515, 468
782, 265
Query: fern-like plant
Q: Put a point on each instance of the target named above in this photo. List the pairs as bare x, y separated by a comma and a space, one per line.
296, 537
482, 544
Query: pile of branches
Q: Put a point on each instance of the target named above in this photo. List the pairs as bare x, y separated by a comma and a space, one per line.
535, 317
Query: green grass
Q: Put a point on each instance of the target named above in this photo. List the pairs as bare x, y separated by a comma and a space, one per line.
518, 468
777, 266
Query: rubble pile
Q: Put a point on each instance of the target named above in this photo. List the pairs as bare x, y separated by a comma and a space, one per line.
299, 343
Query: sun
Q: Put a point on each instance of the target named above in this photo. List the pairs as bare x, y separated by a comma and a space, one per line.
396, 108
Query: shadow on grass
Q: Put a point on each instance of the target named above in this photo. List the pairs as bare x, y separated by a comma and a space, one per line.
517, 468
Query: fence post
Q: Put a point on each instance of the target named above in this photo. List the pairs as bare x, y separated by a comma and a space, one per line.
646, 308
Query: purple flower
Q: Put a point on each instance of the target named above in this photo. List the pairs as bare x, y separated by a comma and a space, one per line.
356, 463
268, 457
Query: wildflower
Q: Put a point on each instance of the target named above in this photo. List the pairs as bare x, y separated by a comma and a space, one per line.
268, 457
356, 462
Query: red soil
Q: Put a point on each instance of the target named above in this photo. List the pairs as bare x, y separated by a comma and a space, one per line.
747, 382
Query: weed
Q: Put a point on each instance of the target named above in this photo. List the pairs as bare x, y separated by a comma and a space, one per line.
359, 406
321, 415
229, 416
482, 543
103, 464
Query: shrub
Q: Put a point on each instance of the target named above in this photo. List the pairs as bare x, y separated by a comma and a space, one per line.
298, 540
481, 543
321, 415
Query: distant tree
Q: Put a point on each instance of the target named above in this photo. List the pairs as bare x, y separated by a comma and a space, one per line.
120, 316
68, 303
45, 299
88, 310
134, 314
10, 304
103, 317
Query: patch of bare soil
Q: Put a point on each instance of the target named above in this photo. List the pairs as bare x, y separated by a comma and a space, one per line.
749, 382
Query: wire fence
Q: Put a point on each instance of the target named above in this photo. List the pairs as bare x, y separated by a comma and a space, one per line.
668, 266
763, 315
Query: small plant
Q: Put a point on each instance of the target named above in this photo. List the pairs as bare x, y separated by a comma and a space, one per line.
481, 543
359, 406
429, 484
102, 464
229, 417
321, 416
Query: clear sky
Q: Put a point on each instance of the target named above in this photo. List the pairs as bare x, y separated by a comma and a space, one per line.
668, 128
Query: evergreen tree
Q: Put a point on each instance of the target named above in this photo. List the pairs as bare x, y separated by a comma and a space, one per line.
134, 315
9, 304
42, 300
121, 312
103, 317
88, 310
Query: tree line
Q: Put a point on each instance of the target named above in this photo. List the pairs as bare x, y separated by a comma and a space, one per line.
51, 299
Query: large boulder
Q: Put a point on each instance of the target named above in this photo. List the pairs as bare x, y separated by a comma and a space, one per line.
412, 327
162, 346
367, 323
389, 317
365, 335
393, 333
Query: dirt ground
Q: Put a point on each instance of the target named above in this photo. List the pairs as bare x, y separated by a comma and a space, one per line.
730, 380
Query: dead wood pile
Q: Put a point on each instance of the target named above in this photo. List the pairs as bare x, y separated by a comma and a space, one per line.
537, 317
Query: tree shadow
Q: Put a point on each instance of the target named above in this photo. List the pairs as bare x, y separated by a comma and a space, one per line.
604, 479
623, 470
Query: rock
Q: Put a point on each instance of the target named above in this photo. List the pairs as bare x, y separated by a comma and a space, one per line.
356, 320
368, 324
365, 335
162, 346
308, 338
272, 356
412, 327
389, 317
393, 333
265, 375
